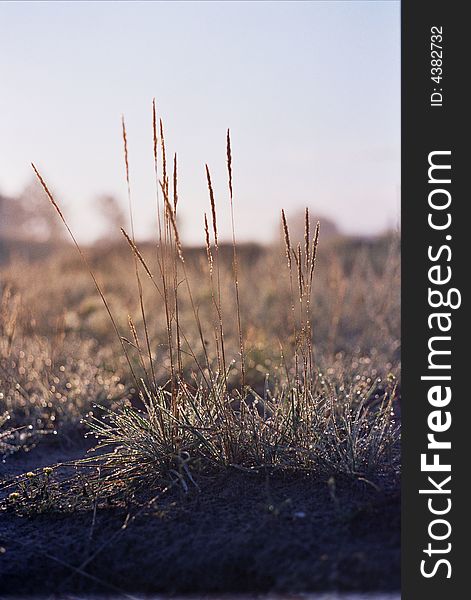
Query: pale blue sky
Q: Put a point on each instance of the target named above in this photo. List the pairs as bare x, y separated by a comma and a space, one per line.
310, 90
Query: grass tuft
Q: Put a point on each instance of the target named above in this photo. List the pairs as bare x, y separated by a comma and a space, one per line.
195, 403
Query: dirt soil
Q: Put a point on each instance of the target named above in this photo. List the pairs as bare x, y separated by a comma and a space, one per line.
241, 533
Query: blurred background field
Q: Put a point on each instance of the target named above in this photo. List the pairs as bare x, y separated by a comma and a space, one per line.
60, 354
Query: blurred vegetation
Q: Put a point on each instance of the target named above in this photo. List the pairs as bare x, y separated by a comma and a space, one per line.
60, 355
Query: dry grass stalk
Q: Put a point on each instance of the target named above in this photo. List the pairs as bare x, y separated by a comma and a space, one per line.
172, 220
143, 262
164, 157
138, 279
154, 131
234, 256
286, 236
311, 264
218, 304
164, 237
209, 256
306, 239
299, 265
293, 308
303, 339
315, 243
175, 189
304, 275
137, 344
175, 275
155, 139
90, 270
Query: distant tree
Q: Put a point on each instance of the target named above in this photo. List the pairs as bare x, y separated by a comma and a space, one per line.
30, 216
5, 210
114, 216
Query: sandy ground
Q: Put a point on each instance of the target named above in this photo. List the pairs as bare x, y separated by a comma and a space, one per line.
240, 534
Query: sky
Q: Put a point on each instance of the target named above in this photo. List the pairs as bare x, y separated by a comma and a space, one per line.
310, 91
